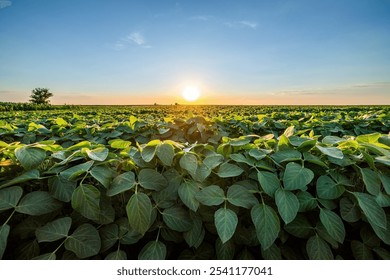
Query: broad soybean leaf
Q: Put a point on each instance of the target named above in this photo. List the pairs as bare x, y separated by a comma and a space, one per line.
272, 253
153, 250
227, 170
288, 205
165, 152
349, 210
241, 196
331, 152
10, 197
119, 144
361, 251
374, 213
333, 224
84, 241
187, 192
296, 177
4, 232
202, 172
103, 174
47, 257
55, 230
109, 235
300, 227
286, 156
148, 153
121, 183
177, 218
75, 171
139, 210
194, 237
318, 249
98, 154
328, 189
37, 203
371, 181
27, 176
61, 189
213, 161
269, 182
117, 255
385, 179
306, 201
225, 221
30, 157
86, 200
152, 180
189, 162
267, 224
211, 196
224, 251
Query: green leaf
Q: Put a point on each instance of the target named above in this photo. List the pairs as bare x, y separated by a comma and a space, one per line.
287, 203
241, 196
75, 171
109, 235
103, 174
272, 253
269, 182
225, 222
267, 224
194, 237
165, 152
4, 232
229, 170
139, 211
54, 230
306, 201
224, 251
61, 189
86, 200
369, 138
202, 173
37, 203
30, 157
213, 160
121, 183
382, 253
152, 180
318, 249
98, 154
116, 255
331, 152
10, 197
211, 195
119, 144
385, 182
27, 176
187, 192
287, 155
333, 224
177, 218
258, 154
296, 177
328, 189
361, 251
153, 250
189, 162
47, 257
148, 153
84, 242
374, 213
371, 180
349, 210
300, 227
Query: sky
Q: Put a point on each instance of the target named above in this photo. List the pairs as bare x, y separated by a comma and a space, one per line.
234, 51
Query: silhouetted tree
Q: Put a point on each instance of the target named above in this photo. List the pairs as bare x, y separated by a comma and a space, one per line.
40, 96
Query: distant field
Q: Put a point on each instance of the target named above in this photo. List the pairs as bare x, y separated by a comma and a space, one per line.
194, 182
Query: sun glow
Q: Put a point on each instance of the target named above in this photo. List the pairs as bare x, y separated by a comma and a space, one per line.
191, 93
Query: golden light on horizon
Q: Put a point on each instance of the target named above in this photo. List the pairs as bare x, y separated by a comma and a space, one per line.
191, 93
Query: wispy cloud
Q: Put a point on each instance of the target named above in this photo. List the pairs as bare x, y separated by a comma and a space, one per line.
5, 4
242, 24
135, 38
202, 17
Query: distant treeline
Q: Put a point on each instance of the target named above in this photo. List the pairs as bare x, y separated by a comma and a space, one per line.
12, 106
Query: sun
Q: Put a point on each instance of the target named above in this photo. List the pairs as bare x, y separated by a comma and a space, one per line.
191, 93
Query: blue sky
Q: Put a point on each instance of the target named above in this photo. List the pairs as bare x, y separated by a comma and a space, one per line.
236, 52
